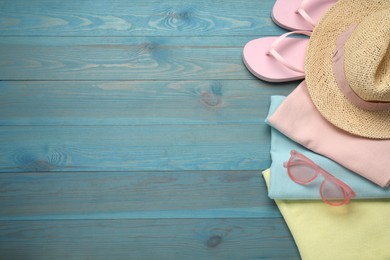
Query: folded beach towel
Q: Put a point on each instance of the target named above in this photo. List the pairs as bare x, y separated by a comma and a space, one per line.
284, 188
359, 230
298, 119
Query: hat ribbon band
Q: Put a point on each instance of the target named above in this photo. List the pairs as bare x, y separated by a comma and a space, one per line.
345, 88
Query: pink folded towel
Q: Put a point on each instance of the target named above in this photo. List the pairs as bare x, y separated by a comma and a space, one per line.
298, 119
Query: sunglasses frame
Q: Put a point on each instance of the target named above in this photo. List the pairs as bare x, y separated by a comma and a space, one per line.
348, 193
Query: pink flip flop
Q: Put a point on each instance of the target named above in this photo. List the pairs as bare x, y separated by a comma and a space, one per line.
277, 59
301, 15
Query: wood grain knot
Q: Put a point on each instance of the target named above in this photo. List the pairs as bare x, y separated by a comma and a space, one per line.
40, 165
177, 18
214, 241
181, 15
147, 47
214, 97
45, 159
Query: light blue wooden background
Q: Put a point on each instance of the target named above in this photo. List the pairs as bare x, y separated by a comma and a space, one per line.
132, 130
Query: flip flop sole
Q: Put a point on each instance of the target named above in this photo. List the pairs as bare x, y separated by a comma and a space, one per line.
266, 67
284, 15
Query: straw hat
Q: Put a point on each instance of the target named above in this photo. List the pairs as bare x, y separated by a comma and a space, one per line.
347, 67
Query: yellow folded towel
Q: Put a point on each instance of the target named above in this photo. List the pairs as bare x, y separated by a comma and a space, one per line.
359, 230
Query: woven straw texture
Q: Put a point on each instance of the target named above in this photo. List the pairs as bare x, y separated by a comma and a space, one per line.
367, 66
363, 72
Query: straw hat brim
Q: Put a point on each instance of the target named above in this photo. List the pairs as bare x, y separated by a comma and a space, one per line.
321, 82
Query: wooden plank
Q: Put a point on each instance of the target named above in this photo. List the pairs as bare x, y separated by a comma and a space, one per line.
136, 18
136, 102
105, 195
130, 42
147, 239
104, 58
134, 148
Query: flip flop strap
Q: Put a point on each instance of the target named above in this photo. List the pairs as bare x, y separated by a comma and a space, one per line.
274, 53
301, 10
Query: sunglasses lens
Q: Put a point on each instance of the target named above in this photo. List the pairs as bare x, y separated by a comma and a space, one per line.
332, 193
301, 172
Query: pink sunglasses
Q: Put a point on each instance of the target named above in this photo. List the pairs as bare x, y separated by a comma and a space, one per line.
302, 170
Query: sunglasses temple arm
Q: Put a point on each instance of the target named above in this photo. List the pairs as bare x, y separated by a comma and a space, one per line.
285, 164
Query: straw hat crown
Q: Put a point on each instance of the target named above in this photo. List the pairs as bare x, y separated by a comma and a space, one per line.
367, 58
347, 67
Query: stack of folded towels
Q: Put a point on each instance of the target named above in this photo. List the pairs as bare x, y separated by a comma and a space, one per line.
330, 138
